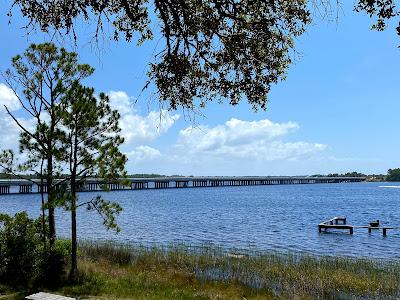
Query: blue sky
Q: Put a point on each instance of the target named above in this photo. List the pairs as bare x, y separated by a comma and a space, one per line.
337, 111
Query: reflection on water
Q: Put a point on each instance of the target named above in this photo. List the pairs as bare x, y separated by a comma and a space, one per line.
279, 218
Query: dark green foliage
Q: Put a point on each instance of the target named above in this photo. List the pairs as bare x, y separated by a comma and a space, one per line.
107, 210
354, 174
393, 175
211, 49
23, 260
92, 135
147, 175
383, 10
19, 240
75, 136
39, 79
90, 142
53, 265
348, 174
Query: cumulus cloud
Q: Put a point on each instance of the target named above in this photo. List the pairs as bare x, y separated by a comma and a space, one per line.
121, 101
143, 153
9, 130
234, 147
138, 129
261, 140
8, 98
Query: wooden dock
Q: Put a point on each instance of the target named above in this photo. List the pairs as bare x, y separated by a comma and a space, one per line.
341, 224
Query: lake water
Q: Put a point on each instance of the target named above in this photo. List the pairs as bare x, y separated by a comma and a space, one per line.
281, 217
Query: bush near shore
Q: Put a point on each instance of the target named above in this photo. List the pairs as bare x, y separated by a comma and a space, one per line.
111, 271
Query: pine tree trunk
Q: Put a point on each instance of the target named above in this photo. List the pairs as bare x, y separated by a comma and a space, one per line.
50, 200
74, 260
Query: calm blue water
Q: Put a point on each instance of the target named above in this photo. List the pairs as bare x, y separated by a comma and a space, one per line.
282, 218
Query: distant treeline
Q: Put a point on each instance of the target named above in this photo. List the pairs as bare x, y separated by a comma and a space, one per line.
33, 176
348, 174
17, 176
392, 175
152, 176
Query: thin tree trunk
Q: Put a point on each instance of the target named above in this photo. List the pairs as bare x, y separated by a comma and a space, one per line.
74, 260
43, 210
50, 200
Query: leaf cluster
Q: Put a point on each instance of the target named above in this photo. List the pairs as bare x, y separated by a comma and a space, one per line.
92, 137
393, 175
107, 210
43, 74
211, 49
75, 134
382, 10
24, 261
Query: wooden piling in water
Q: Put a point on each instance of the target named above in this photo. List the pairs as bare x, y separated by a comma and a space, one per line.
334, 224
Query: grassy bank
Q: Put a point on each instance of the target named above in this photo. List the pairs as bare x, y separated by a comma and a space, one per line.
183, 272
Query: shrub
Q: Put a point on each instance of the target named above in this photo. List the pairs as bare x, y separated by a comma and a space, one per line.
19, 240
53, 264
24, 261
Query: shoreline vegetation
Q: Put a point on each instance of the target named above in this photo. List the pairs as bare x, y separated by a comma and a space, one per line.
117, 271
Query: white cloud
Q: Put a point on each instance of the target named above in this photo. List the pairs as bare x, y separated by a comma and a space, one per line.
260, 140
121, 101
9, 133
143, 154
236, 147
8, 98
9, 130
138, 129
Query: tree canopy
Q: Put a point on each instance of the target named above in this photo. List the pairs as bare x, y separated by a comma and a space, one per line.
74, 134
383, 10
39, 78
91, 143
211, 49
393, 175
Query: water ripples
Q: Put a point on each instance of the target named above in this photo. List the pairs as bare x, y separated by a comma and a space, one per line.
268, 218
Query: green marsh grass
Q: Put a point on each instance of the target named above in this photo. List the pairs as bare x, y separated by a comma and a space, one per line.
182, 271
179, 271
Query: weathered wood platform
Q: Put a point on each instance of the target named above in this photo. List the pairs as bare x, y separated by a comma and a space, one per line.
341, 224
47, 296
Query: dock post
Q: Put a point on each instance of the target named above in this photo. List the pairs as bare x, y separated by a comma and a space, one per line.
351, 230
384, 231
369, 229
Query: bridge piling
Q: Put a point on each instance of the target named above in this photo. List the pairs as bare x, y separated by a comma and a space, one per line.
4, 189
94, 184
25, 189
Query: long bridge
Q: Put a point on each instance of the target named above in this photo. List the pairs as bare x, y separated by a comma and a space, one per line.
24, 186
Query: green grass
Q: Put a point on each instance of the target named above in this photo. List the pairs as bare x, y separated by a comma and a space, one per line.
110, 271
